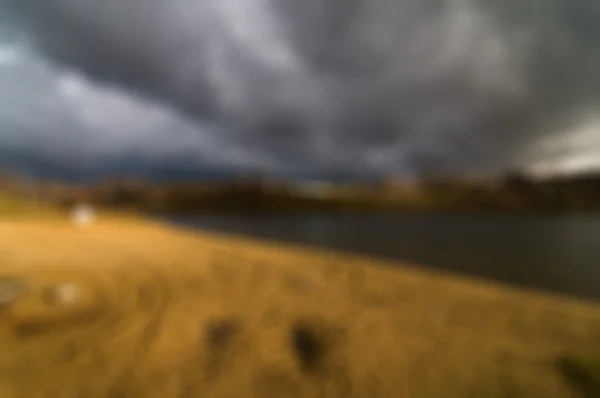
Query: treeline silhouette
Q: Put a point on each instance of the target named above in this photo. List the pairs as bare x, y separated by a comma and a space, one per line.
511, 193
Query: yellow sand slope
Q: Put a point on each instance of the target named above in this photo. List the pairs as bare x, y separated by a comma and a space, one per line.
149, 311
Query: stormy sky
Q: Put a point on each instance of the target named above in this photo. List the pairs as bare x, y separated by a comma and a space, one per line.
288, 86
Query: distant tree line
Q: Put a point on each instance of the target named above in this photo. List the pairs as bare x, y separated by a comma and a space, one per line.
513, 193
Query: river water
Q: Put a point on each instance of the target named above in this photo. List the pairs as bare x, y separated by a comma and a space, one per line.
560, 253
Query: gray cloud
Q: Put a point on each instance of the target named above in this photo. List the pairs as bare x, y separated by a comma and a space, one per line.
366, 85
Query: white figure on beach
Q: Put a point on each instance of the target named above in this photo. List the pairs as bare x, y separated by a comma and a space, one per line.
83, 215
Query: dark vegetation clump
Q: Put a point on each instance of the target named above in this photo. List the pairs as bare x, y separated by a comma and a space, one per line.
220, 333
583, 375
313, 344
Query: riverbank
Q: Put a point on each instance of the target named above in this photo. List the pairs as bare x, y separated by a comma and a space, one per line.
144, 310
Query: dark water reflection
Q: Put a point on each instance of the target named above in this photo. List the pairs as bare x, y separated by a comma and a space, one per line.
552, 253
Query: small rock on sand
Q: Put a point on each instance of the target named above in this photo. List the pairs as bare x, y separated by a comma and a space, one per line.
10, 290
61, 294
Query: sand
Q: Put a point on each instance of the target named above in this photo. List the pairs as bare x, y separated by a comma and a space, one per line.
128, 308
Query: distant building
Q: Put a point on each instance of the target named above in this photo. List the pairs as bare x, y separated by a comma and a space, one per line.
403, 185
314, 188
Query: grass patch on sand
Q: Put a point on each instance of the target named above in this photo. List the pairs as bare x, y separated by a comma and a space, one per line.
12, 206
158, 312
9, 205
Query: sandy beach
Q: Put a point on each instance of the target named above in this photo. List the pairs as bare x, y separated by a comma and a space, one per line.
129, 308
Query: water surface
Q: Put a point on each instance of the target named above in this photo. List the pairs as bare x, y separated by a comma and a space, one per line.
560, 253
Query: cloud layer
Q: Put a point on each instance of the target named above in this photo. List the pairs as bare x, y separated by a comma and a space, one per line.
411, 86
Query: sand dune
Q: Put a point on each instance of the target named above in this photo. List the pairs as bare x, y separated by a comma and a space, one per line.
129, 309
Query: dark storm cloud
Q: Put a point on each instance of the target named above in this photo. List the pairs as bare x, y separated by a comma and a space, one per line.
378, 85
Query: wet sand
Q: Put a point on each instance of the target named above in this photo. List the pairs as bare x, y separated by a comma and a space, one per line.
128, 308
